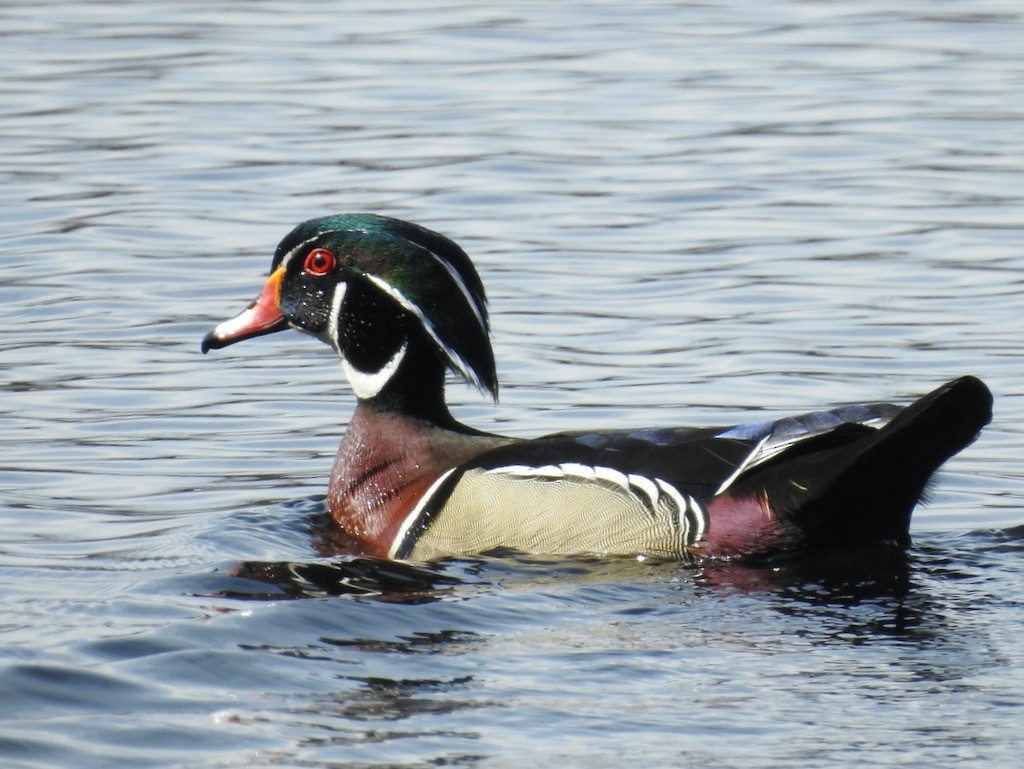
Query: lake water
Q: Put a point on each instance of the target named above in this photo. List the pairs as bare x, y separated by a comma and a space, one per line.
684, 214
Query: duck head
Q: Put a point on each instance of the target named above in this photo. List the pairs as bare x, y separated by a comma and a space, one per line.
399, 303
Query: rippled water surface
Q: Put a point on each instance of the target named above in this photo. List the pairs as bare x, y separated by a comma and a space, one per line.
684, 213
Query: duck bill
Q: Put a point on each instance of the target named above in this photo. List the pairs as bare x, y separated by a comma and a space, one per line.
261, 317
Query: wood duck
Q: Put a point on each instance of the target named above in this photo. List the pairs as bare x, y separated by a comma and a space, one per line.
402, 305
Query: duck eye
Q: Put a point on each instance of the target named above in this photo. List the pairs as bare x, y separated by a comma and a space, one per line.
319, 262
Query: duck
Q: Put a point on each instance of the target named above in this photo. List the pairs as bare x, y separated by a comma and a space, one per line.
402, 306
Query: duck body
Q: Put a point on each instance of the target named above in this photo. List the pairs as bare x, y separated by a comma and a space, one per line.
402, 305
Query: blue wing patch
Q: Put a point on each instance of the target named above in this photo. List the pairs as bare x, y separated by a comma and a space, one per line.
816, 423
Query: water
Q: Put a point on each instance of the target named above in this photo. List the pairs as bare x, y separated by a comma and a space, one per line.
684, 214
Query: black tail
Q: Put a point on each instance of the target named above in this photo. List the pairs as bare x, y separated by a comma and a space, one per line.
866, 490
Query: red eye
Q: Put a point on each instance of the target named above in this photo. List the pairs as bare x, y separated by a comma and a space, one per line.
319, 262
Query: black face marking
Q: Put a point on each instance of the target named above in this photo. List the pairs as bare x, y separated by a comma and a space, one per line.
306, 302
371, 328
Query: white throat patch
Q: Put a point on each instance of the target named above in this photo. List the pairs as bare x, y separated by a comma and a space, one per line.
368, 384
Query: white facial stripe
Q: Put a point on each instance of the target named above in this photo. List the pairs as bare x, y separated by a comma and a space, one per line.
462, 287
459, 282
454, 357
300, 247
368, 384
335, 316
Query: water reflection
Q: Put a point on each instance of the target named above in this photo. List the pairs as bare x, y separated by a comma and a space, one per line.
385, 580
819, 577
827, 578
879, 626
